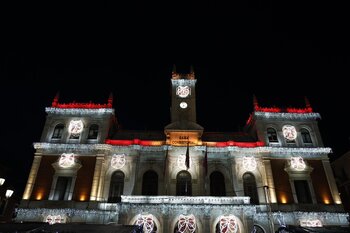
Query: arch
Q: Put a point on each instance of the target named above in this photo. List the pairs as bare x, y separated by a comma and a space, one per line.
116, 186
250, 189
150, 183
147, 223
58, 131
93, 131
272, 134
186, 224
225, 220
305, 135
183, 184
217, 184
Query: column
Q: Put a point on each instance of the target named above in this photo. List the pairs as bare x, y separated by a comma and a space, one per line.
32, 176
96, 178
270, 183
331, 181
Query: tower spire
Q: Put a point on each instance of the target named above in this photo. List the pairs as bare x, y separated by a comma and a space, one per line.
255, 103
110, 100
191, 69
55, 99
307, 102
174, 69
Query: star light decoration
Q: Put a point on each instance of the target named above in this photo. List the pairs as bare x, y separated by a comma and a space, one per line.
186, 223
118, 161
66, 160
146, 221
297, 163
249, 163
228, 224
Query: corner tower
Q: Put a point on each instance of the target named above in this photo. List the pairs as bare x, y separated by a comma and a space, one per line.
183, 110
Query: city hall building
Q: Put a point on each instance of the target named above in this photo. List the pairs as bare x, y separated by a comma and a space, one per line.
182, 179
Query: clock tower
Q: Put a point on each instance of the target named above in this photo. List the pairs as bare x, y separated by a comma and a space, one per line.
183, 107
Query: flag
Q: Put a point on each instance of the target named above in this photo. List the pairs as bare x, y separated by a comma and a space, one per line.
187, 161
205, 161
165, 161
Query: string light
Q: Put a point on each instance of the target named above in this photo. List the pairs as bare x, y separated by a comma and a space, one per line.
78, 111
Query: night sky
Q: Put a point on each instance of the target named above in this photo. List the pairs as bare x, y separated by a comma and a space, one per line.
280, 53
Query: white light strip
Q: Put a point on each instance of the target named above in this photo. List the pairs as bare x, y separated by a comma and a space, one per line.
288, 116
79, 111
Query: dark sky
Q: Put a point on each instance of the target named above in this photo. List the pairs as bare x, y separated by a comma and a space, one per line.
279, 52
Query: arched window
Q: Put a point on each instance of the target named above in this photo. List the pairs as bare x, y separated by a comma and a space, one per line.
305, 135
116, 187
249, 185
58, 131
272, 135
183, 184
150, 183
93, 132
217, 184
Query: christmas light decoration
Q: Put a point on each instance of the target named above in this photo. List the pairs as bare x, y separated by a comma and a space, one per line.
75, 127
249, 163
146, 221
310, 223
53, 219
181, 161
287, 116
289, 132
228, 224
183, 91
79, 111
66, 160
118, 161
186, 223
297, 163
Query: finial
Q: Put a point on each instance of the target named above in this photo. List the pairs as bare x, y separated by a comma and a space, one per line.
110, 100
255, 103
55, 100
174, 69
307, 102
191, 69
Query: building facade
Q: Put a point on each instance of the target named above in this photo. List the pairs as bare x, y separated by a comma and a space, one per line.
341, 169
182, 179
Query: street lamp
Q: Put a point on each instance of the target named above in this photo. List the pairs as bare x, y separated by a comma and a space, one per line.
2, 181
8, 193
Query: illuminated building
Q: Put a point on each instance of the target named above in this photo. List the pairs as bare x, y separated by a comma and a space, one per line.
182, 179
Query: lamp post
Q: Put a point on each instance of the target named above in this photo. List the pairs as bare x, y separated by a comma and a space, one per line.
4, 201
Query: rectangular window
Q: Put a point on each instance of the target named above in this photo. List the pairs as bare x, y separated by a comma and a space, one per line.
62, 189
302, 191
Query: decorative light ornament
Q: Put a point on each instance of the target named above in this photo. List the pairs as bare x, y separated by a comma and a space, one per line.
181, 161
228, 224
310, 223
183, 91
186, 223
146, 221
52, 219
118, 161
249, 163
289, 132
183, 105
66, 160
297, 163
75, 127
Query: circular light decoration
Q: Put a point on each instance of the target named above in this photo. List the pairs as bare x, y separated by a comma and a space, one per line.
289, 132
183, 91
66, 160
118, 161
181, 161
183, 105
186, 223
75, 127
297, 163
249, 163
146, 221
228, 224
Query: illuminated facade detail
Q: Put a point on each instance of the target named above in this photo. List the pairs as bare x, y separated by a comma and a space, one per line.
77, 111
228, 224
297, 163
66, 160
75, 127
118, 161
249, 163
311, 223
53, 219
183, 105
147, 223
186, 224
183, 91
181, 161
289, 132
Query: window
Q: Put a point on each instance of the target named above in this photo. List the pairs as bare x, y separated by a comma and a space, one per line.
272, 135
93, 132
302, 191
58, 131
249, 186
217, 184
116, 187
183, 184
150, 183
62, 189
305, 135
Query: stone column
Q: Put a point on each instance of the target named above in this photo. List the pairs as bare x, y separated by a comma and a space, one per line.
269, 180
32, 177
331, 181
94, 195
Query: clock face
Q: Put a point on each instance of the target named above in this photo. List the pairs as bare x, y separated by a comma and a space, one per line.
183, 91
183, 105
289, 132
75, 126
